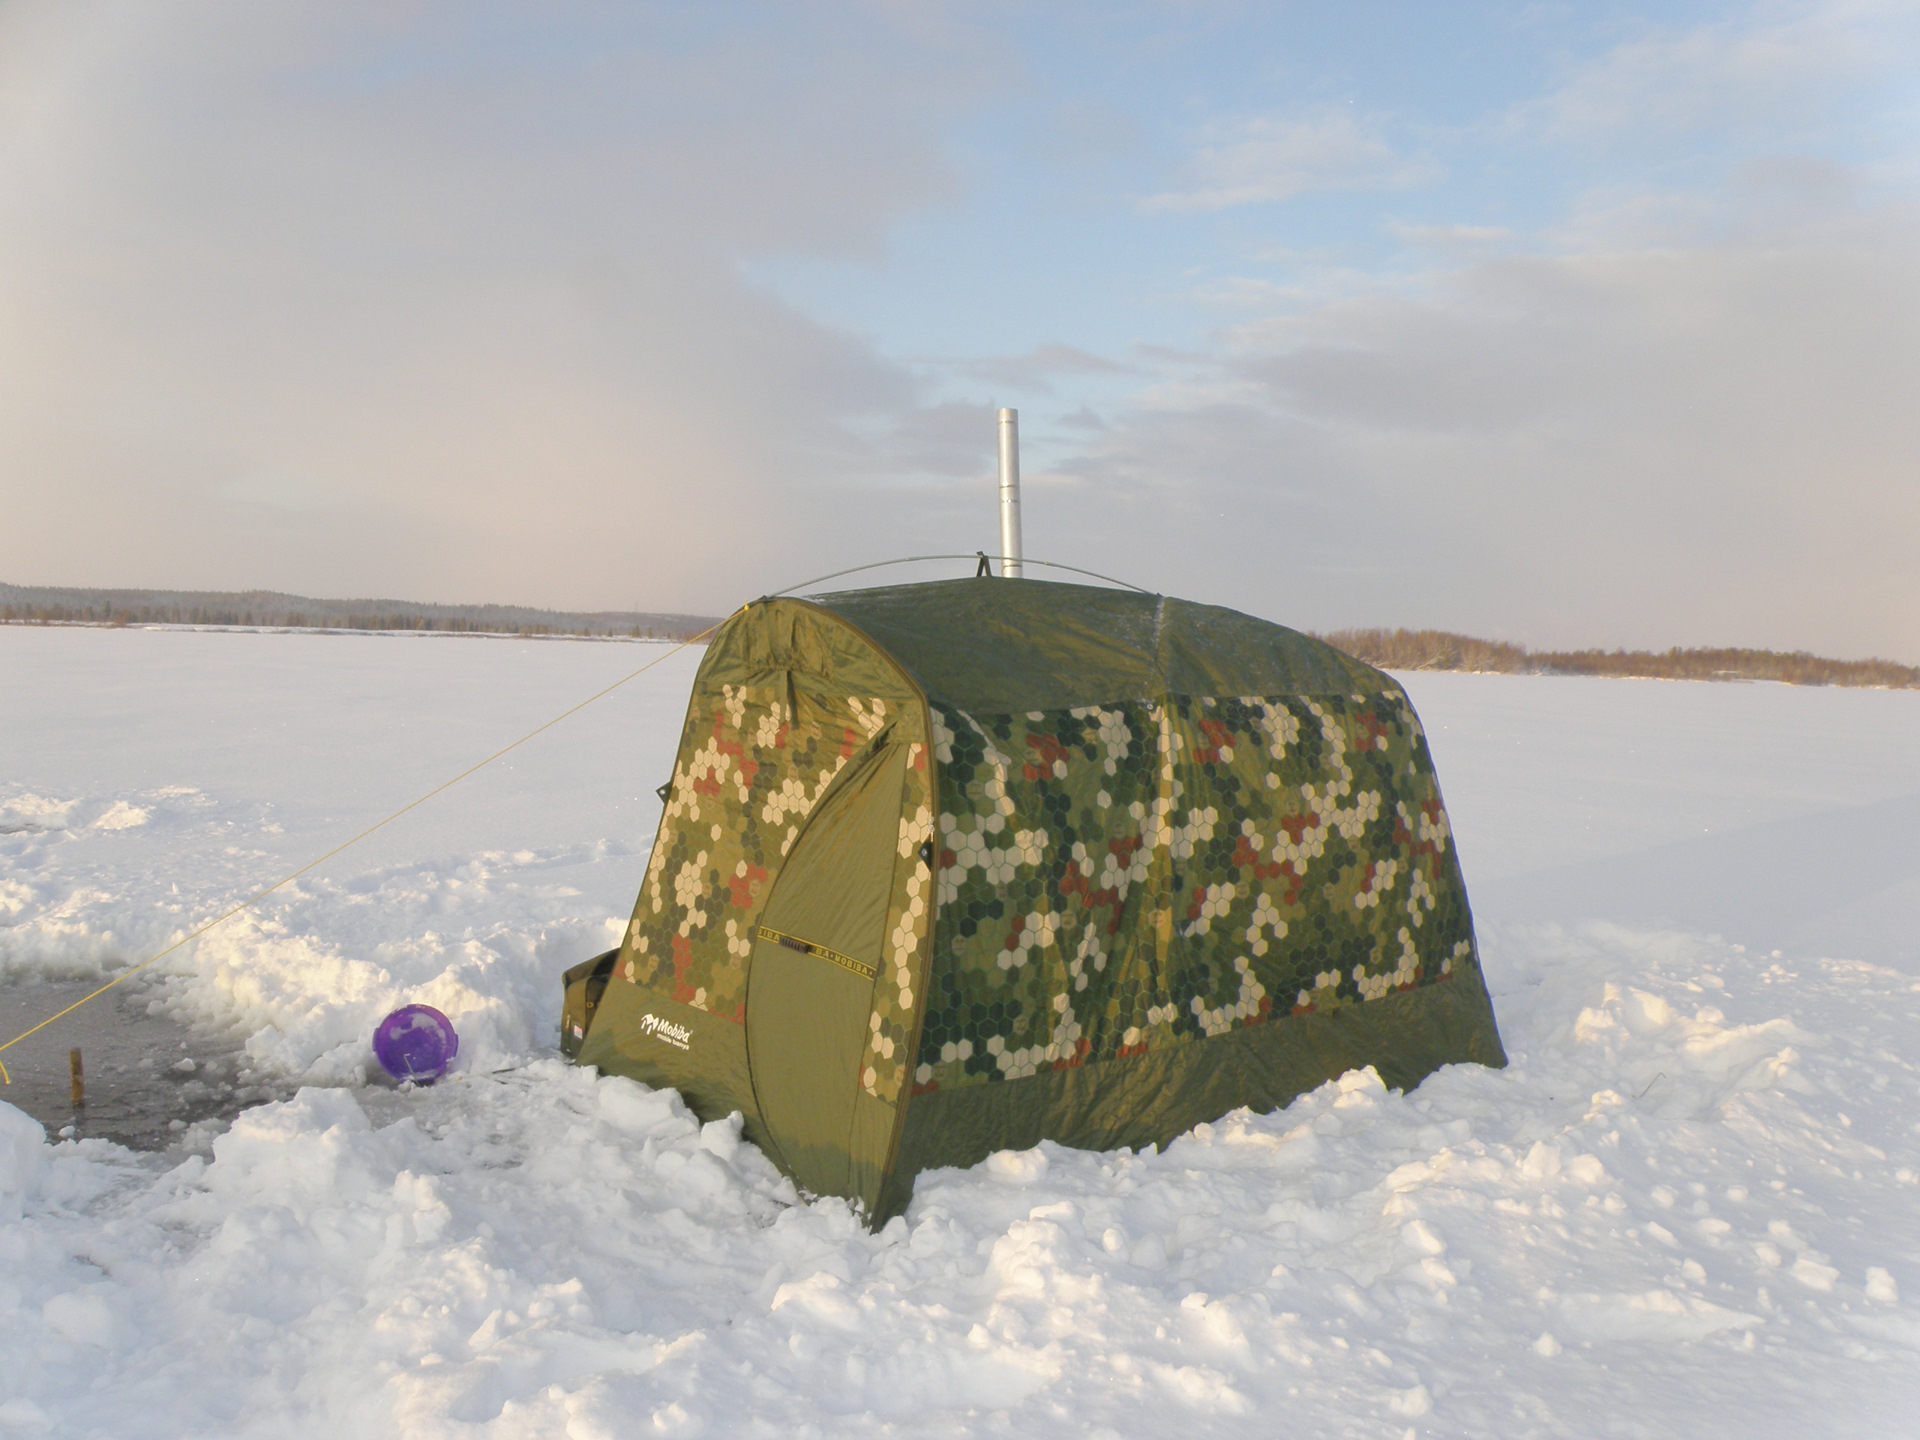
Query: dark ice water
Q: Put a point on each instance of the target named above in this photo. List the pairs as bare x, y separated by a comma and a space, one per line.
148, 1077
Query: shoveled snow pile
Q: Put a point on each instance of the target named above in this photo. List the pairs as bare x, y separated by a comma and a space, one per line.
1691, 1205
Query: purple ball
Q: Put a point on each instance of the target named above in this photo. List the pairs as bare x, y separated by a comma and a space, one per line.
417, 1043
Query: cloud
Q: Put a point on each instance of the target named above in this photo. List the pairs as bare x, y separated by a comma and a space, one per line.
444, 299
1773, 68
449, 301
1688, 446
1270, 159
1038, 368
1085, 418
1449, 237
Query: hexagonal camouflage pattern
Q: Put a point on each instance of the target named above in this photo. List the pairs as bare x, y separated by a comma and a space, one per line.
748, 776
1119, 879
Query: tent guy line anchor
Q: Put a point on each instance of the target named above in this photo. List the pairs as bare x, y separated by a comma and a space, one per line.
280, 884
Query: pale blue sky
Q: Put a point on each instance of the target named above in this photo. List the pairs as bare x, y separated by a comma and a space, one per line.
1363, 148
1573, 324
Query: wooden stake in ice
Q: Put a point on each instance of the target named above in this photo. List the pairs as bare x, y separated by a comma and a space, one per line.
77, 1073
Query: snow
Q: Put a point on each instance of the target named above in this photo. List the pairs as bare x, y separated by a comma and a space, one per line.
1691, 1205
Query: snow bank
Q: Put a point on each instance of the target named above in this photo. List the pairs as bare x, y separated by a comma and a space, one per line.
176, 774
1676, 1203
1690, 1205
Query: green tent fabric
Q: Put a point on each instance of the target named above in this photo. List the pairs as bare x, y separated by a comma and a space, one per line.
957, 867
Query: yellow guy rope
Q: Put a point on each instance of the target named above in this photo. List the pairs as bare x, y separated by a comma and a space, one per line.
349, 844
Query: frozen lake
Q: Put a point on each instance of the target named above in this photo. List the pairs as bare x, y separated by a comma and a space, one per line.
1690, 1205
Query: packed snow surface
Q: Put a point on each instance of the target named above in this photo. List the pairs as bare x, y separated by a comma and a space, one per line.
1690, 1206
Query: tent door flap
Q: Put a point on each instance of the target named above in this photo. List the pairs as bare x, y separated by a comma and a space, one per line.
817, 951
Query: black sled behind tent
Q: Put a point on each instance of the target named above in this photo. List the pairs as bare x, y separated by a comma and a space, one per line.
956, 867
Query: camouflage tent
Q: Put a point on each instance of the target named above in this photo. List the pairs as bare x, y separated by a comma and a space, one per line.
956, 867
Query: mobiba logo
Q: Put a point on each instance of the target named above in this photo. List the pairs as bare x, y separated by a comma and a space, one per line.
677, 1036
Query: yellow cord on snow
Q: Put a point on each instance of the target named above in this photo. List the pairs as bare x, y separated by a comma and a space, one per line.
249, 903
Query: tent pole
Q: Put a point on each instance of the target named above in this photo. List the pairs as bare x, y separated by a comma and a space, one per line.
1010, 565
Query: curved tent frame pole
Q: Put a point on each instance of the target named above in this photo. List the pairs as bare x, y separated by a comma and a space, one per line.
915, 559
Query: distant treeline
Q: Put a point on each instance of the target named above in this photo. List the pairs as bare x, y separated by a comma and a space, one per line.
1389, 649
267, 609
1439, 650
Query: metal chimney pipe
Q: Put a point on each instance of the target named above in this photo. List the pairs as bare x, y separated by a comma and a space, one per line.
1010, 554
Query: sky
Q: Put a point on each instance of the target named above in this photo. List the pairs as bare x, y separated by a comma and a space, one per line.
1574, 325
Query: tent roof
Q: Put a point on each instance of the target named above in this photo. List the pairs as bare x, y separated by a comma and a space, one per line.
995, 646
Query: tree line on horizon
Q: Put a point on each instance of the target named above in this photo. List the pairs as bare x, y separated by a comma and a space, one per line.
1443, 650
271, 610
1388, 649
